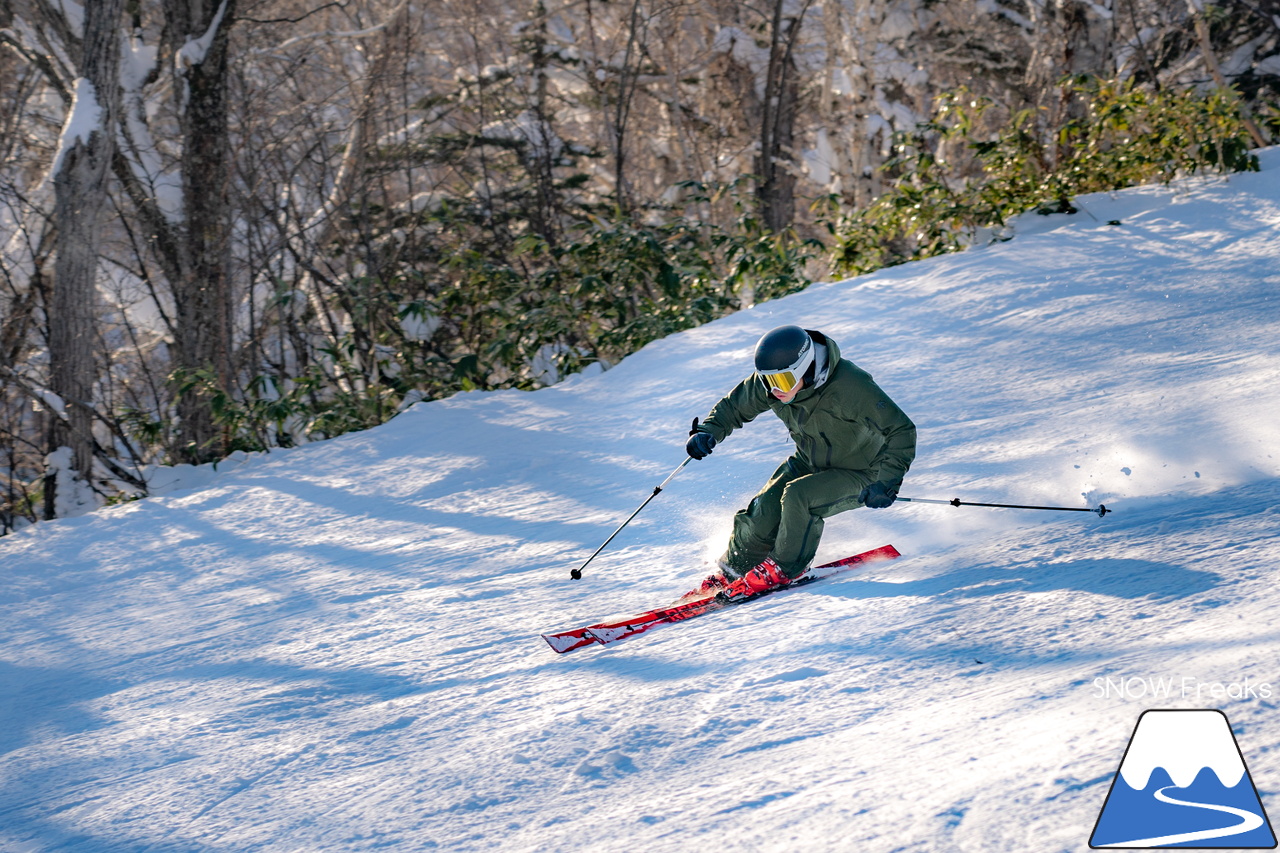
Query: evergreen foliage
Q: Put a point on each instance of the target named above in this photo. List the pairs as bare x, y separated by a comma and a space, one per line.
954, 179
522, 315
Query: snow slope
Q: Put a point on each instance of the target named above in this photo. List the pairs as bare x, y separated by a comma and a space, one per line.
335, 648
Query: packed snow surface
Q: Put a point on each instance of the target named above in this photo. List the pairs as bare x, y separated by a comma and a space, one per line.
336, 648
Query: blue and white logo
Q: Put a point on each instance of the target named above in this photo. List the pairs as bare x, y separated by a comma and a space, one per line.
1183, 783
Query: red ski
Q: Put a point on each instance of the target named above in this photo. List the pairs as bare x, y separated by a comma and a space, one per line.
693, 604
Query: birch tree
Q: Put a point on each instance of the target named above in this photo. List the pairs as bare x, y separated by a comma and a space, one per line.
80, 169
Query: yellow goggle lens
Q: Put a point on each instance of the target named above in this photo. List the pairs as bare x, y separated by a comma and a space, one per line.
783, 381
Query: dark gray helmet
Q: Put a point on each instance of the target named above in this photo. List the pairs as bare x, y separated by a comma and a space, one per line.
783, 357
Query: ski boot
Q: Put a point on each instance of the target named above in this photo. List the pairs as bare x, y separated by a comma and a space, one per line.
763, 578
720, 579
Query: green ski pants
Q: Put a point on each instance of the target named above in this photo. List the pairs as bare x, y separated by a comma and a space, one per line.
786, 518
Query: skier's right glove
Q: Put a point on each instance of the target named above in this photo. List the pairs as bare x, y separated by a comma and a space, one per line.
700, 444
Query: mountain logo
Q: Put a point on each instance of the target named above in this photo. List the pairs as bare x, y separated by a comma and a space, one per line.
1183, 783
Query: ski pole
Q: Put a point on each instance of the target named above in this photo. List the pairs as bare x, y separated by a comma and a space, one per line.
576, 574
1101, 510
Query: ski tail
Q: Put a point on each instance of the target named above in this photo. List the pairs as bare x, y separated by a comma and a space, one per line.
884, 552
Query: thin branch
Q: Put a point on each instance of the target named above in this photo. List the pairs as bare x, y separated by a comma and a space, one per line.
314, 11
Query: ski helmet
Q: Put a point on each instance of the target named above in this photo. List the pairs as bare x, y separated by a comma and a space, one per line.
784, 356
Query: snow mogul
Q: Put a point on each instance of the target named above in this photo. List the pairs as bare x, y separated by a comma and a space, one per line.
853, 447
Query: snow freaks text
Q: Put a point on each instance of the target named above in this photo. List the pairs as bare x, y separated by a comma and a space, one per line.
1184, 687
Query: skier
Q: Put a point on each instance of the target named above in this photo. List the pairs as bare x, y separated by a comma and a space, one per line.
853, 446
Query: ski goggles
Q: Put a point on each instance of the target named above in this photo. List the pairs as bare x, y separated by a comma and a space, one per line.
782, 381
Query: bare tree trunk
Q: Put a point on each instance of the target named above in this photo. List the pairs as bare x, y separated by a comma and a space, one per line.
1215, 71
541, 156
199, 30
350, 180
1140, 49
776, 189
80, 178
617, 124
324, 225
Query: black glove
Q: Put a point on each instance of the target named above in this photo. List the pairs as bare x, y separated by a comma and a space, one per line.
700, 444
878, 496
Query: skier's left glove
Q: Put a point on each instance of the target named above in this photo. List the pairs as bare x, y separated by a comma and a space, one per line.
699, 444
878, 496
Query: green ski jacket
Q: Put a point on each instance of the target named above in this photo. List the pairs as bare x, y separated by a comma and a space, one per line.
845, 421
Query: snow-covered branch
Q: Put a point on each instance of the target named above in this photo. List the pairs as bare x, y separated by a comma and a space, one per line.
194, 50
83, 119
